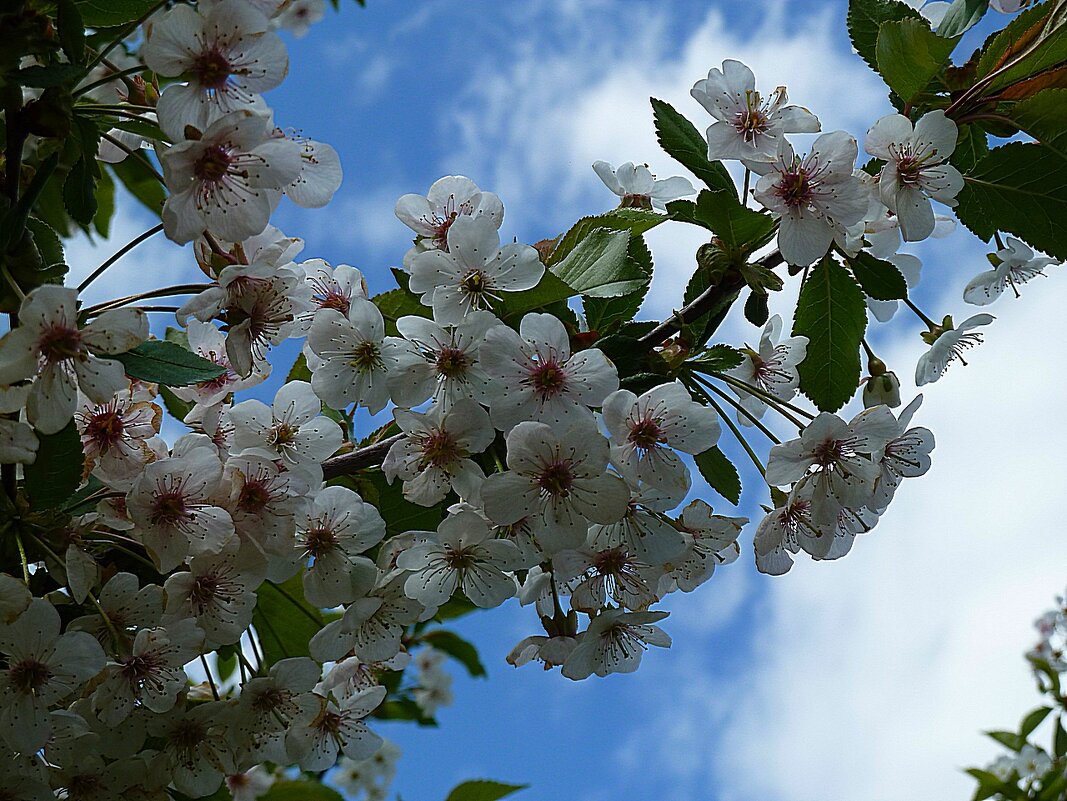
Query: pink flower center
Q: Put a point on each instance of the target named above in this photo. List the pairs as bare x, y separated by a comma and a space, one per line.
168, 508
646, 433
439, 449
104, 429
751, 123
59, 343
254, 496
213, 165
452, 362
29, 675
548, 379
794, 188
556, 480
212, 69
319, 540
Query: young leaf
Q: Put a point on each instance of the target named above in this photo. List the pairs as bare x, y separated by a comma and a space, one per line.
162, 362
598, 265
680, 139
1008, 739
961, 16
483, 790
832, 314
910, 54
636, 221
717, 359
1033, 720
880, 279
1020, 188
605, 314
175, 406
741, 230
865, 17
1030, 44
720, 474
57, 471
456, 647
284, 620
1059, 738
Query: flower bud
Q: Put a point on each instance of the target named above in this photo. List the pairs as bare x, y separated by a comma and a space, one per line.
882, 390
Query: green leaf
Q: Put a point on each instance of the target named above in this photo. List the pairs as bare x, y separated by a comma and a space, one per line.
397, 303
910, 54
145, 128
680, 139
57, 471
141, 183
880, 279
1008, 739
47, 241
299, 371
720, 474
456, 647
105, 204
1033, 720
832, 314
961, 16
400, 515
44, 77
756, 310
1032, 42
1020, 188
742, 230
865, 17
79, 191
108, 13
972, 145
717, 359
71, 31
606, 314
1059, 738
300, 791
598, 265
175, 406
636, 221
284, 620
549, 290
161, 362
702, 328
483, 790
1044, 117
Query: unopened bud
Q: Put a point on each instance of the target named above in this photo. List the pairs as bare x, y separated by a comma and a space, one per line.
882, 390
875, 366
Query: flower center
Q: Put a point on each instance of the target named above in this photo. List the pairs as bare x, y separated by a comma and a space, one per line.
548, 379
439, 449
139, 669
646, 434
213, 165
254, 497
909, 169
608, 562
475, 284
459, 559
334, 300
29, 676
751, 123
452, 362
366, 357
188, 734
830, 452
283, 434
168, 508
59, 343
203, 592
794, 188
440, 228
319, 541
212, 69
556, 480
105, 429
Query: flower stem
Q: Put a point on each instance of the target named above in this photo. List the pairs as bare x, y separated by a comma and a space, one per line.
777, 404
734, 430
211, 681
164, 292
919, 313
118, 255
111, 76
742, 410
22, 557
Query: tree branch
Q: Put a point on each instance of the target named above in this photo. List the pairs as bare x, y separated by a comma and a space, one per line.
367, 456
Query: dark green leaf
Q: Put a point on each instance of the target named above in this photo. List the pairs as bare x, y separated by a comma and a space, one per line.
403, 708
456, 647
756, 311
300, 791
636, 221
1033, 720
972, 145
700, 330
397, 303
57, 471
961, 16
175, 406
284, 620
989, 784
299, 371
832, 314
1031, 43
910, 54
47, 241
717, 359
720, 474
880, 279
145, 128
45, 77
598, 265
639, 383
71, 31
105, 204
399, 514
77, 503
742, 230
161, 362
108, 13
680, 139
79, 192
1020, 188
1059, 739
1044, 117
549, 290
142, 184
1008, 739
483, 790
865, 17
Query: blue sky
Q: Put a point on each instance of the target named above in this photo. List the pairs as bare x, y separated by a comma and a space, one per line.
864, 678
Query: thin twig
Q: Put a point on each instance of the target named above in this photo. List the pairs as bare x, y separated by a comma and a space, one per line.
118, 255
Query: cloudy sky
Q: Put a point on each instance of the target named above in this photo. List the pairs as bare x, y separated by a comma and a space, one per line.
869, 677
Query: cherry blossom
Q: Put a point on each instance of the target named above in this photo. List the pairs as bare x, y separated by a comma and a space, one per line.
906, 455
614, 643
1012, 265
333, 728
773, 369
432, 216
639, 188
949, 345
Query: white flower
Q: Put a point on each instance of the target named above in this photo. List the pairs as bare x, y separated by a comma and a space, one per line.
320, 173
841, 455
773, 369
219, 591
462, 556
711, 540
299, 15
1032, 762
263, 499
786, 530
1009, 6
949, 347
549, 651
538, 378
115, 437
49, 344
226, 181
644, 429
449, 198
644, 531
439, 363
333, 531
1017, 265
331, 288
915, 169
816, 196
250, 784
639, 188
434, 457
356, 357
614, 643
906, 455
372, 625
42, 667
291, 431
18, 443
208, 342
747, 127
173, 504
331, 727
595, 576
557, 478
474, 270
269, 704
194, 747
227, 54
